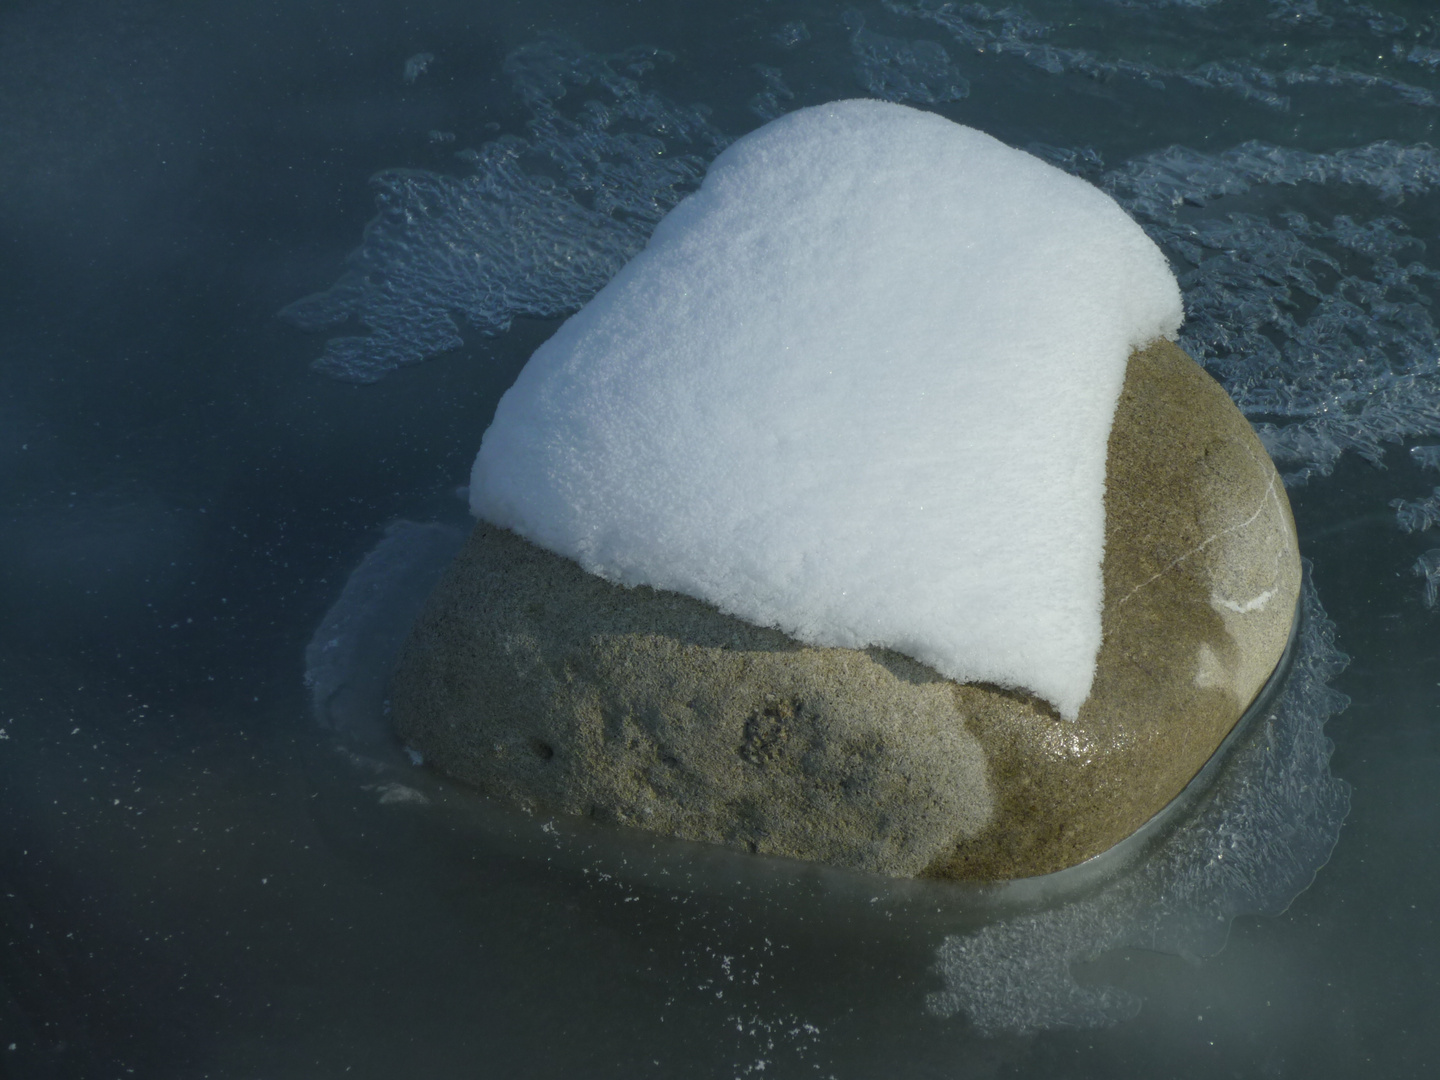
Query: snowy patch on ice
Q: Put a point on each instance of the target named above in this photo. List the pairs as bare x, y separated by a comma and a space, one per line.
859, 387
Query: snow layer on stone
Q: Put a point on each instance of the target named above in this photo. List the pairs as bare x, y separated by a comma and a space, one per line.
859, 386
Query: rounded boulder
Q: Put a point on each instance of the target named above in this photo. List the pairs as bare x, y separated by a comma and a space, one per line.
557, 691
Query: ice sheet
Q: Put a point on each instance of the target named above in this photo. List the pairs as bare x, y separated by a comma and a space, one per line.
1272, 822
533, 228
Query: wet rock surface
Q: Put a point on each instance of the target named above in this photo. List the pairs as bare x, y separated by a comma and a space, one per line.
555, 690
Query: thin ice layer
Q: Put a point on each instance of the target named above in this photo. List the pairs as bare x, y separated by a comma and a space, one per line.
858, 386
1272, 822
508, 239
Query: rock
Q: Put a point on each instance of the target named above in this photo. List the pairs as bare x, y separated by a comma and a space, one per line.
557, 691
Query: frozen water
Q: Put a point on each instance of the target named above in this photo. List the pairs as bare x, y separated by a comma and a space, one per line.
903, 71
1321, 330
775, 99
1428, 567
352, 653
437, 938
1270, 823
1012, 31
1427, 457
417, 65
859, 387
534, 228
1419, 514
791, 34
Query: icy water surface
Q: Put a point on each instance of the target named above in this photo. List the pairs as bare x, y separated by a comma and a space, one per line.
266, 271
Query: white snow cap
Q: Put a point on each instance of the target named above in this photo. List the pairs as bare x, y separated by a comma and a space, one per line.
859, 387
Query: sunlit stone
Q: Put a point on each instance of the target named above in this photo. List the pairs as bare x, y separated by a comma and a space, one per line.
868, 517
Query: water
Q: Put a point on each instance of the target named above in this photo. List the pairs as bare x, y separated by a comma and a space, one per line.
200, 880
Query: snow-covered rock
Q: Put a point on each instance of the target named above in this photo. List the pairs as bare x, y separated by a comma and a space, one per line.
858, 387
550, 688
912, 545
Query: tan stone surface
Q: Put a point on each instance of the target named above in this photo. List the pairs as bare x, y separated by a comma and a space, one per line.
1202, 575
544, 685
550, 688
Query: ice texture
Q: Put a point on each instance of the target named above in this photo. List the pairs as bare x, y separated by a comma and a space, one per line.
1012, 31
1428, 567
791, 34
541, 222
904, 71
534, 228
858, 387
1321, 330
417, 65
775, 99
350, 657
1417, 515
1251, 848
1427, 457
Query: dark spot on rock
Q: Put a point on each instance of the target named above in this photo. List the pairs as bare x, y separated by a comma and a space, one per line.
768, 730
541, 749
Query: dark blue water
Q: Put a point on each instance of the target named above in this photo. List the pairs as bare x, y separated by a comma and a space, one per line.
197, 878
